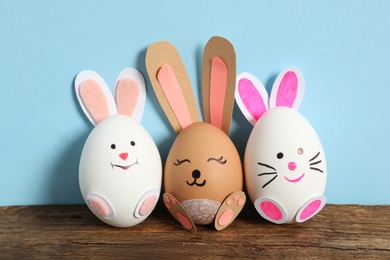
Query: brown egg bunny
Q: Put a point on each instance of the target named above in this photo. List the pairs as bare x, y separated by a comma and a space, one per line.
203, 176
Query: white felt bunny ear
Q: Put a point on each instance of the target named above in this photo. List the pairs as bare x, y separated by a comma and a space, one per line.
94, 96
288, 89
251, 97
130, 93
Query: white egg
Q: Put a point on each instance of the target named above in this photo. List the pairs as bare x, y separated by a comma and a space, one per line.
120, 171
285, 164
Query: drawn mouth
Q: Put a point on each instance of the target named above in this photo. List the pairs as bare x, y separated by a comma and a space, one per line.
197, 184
295, 180
124, 167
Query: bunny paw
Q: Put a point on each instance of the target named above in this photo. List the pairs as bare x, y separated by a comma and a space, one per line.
229, 209
178, 212
310, 208
147, 203
100, 206
271, 210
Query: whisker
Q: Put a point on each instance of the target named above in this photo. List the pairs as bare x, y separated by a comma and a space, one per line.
314, 163
266, 165
266, 173
316, 169
269, 181
314, 157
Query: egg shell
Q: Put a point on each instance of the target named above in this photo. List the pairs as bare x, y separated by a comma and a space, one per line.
203, 144
284, 130
121, 188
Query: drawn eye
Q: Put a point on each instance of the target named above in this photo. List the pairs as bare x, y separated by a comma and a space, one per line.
178, 162
132, 143
279, 155
220, 160
113, 146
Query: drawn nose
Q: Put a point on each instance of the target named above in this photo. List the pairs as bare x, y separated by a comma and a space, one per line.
123, 156
292, 166
196, 174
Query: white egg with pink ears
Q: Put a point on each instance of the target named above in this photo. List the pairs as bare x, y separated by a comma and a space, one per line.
120, 171
284, 162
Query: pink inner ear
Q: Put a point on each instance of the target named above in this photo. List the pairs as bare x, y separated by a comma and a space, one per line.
287, 91
172, 91
251, 98
218, 83
94, 100
127, 93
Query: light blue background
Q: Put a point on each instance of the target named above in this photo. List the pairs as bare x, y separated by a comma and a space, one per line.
342, 47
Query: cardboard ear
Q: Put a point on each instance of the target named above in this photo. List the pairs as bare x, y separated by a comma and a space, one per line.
218, 82
288, 89
171, 84
130, 93
251, 97
94, 96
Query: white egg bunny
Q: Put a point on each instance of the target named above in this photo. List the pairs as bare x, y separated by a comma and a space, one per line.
120, 170
284, 162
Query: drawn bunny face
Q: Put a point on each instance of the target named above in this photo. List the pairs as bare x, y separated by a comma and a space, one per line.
203, 163
203, 167
119, 148
120, 166
284, 160
284, 151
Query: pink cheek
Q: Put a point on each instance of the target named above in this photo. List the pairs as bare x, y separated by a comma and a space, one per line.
292, 166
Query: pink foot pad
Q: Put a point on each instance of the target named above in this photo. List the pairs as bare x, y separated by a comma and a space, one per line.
225, 217
310, 208
271, 210
229, 209
184, 221
147, 203
178, 212
99, 206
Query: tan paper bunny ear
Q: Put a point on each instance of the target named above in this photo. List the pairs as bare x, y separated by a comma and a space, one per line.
218, 82
171, 84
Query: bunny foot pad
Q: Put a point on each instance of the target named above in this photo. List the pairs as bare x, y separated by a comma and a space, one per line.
178, 212
147, 203
100, 206
311, 208
229, 209
271, 210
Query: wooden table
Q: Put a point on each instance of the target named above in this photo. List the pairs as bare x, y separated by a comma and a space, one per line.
71, 231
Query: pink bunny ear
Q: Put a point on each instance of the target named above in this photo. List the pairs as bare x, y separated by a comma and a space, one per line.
130, 93
94, 96
217, 93
174, 95
251, 97
218, 82
288, 89
171, 84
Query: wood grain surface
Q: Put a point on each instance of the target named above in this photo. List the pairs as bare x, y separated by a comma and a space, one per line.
72, 231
